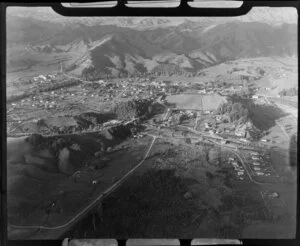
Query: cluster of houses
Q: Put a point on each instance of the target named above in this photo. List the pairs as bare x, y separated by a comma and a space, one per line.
146, 87
51, 99
220, 89
107, 90
47, 102
240, 171
247, 131
258, 165
174, 117
208, 127
278, 74
40, 80
213, 128
44, 78
133, 88
207, 91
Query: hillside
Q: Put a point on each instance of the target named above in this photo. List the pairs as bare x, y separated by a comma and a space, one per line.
110, 48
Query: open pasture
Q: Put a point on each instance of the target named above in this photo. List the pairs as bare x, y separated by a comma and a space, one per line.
196, 101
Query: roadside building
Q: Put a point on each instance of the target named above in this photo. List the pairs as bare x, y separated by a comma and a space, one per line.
211, 132
218, 118
224, 141
274, 195
241, 131
202, 91
244, 139
247, 130
42, 77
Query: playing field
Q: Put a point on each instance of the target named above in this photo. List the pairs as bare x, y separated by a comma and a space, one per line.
196, 101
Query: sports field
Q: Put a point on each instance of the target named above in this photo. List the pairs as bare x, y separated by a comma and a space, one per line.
196, 101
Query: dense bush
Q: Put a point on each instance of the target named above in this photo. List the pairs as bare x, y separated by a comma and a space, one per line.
154, 197
35, 139
93, 118
132, 109
235, 110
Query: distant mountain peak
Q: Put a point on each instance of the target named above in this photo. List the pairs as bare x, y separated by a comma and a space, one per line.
174, 45
270, 15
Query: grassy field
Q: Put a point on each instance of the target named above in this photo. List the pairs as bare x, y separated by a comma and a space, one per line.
196, 102
32, 187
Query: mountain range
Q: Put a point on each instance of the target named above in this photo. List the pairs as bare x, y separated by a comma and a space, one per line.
114, 46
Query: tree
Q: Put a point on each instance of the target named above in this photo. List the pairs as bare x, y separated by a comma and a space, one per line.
35, 139
150, 109
188, 141
243, 120
213, 155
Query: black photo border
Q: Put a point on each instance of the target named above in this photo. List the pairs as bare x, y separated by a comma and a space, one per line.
120, 10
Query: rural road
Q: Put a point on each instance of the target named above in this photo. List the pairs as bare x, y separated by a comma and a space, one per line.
93, 203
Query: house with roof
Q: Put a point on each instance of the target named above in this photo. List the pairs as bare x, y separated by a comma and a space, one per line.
247, 130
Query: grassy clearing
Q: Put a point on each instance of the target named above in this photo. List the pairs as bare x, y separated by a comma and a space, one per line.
31, 189
196, 102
